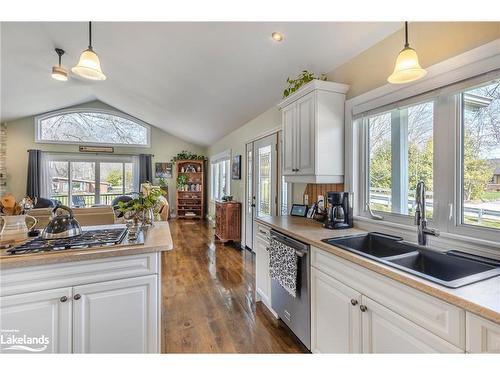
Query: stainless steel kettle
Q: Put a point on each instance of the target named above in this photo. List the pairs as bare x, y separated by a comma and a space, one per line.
62, 225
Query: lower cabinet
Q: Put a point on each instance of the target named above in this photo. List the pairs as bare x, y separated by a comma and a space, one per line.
336, 317
45, 316
262, 277
483, 336
108, 305
384, 331
117, 315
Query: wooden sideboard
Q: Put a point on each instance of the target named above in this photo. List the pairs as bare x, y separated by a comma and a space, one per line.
228, 221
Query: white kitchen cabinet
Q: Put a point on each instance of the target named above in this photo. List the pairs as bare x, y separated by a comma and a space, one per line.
262, 277
115, 316
483, 336
109, 305
384, 331
44, 315
313, 133
335, 316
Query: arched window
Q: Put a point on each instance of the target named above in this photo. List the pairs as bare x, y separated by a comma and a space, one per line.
91, 127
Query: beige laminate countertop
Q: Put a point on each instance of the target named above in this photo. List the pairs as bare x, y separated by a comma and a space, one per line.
157, 239
481, 298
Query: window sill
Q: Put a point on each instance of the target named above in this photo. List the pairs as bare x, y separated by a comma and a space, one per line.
446, 241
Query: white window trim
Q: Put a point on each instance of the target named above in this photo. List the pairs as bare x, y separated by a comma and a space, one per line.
39, 118
214, 159
447, 77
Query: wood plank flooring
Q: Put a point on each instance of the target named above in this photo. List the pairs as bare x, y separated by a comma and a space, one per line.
208, 299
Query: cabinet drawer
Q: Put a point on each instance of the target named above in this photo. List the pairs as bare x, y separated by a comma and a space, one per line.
263, 232
441, 318
35, 278
483, 336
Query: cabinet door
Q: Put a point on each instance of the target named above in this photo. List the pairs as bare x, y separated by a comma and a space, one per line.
289, 140
44, 315
384, 331
305, 134
483, 336
117, 316
262, 278
335, 316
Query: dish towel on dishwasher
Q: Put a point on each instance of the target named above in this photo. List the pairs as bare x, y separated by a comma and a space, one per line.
283, 265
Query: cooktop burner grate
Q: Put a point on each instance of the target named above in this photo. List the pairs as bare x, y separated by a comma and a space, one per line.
90, 238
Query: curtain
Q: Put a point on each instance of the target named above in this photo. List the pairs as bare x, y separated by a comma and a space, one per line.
145, 168
33, 185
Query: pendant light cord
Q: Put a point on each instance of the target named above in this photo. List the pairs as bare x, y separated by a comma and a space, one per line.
90, 35
406, 35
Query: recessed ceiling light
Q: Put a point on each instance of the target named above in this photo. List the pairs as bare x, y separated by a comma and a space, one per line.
277, 36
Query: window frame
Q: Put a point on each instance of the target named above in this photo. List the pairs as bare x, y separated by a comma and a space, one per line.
97, 159
214, 185
447, 162
38, 119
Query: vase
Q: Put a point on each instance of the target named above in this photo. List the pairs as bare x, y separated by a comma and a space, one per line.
14, 227
148, 217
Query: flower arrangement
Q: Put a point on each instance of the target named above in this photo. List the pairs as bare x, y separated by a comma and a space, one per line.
145, 207
10, 207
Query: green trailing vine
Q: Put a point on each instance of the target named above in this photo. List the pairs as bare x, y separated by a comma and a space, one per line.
187, 155
301, 80
181, 181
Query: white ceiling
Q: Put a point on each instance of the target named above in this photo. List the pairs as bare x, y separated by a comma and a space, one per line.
197, 81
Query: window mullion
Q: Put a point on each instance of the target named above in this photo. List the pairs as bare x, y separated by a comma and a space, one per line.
399, 161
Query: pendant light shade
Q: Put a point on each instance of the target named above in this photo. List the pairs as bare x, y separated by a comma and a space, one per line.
59, 72
89, 65
407, 68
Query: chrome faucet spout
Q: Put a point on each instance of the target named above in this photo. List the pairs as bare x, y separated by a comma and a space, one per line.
420, 217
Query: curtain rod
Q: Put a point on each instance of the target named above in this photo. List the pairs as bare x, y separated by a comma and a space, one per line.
91, 153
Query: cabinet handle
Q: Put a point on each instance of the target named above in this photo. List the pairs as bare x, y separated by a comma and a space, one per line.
363, 308
77, 297
63, 299
354, 302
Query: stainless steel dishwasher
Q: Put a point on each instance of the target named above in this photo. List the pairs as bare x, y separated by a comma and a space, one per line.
294, 312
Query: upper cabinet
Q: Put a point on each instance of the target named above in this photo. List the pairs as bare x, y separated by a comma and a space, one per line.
313, 133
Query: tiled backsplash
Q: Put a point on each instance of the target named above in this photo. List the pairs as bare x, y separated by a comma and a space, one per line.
313, 190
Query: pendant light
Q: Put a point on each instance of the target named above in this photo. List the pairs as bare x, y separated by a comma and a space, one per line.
59, 72
407, 67
89, 65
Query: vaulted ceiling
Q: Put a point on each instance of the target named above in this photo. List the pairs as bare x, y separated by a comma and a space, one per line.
197, 81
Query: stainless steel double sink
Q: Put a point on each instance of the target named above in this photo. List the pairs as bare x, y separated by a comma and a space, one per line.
452, 269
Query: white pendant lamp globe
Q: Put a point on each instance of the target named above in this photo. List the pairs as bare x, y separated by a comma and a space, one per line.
59, 72
89, 65
407, 68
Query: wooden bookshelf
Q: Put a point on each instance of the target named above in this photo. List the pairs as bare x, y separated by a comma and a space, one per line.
191, 197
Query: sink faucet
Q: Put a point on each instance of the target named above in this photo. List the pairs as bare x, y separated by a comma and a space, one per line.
420, 220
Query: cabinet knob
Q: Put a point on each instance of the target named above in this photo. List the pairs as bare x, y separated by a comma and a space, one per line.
63, 299
363, 308
77, 297
354, 302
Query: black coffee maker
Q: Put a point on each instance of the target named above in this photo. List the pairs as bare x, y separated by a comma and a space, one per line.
338, 210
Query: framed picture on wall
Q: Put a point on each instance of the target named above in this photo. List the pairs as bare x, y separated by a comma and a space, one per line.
236, 168
163, 170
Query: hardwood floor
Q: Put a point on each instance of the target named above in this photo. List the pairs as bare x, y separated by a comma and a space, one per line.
208, 301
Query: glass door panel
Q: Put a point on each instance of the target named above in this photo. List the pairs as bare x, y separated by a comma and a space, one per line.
83, 189
111, 184
59, 183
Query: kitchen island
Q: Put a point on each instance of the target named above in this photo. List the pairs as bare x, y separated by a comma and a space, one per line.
360, 305
94, 300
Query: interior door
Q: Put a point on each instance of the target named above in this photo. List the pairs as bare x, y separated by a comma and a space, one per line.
250, 197
119, 314
45, 315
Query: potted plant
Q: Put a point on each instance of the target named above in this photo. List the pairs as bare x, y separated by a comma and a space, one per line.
187, 155
181, 181
301, 80
145, 207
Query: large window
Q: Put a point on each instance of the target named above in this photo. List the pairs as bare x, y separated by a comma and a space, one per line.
85, 183
400, 155
221, 178
481, 156
84, 126
450, 140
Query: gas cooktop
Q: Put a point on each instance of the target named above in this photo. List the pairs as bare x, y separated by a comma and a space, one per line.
88, 239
